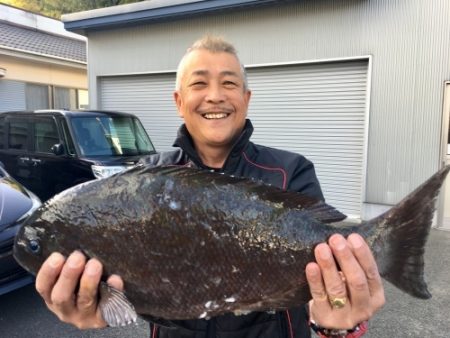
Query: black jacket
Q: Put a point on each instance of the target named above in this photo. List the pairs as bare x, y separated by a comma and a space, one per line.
283, 169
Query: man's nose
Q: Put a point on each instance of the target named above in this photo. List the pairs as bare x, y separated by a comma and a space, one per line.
215, 93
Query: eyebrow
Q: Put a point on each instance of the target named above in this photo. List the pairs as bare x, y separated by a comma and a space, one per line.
223, 73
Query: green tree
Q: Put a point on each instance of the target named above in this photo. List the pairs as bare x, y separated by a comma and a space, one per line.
55, 8
29, 5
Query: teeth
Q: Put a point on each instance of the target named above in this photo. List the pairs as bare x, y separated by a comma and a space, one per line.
215, 115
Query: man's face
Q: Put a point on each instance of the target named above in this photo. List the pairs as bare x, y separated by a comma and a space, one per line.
211, 99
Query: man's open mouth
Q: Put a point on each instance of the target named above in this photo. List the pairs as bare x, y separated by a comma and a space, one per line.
215, 116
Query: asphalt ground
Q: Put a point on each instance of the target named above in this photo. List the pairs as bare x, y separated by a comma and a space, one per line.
23, 313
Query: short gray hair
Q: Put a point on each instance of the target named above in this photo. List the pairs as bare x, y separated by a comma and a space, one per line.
213, 44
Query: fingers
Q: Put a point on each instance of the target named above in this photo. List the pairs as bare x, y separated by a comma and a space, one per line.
366, 260
345, 269
116, 282
87, 294
69, 288
355, 278
316, 286
48, 274
334, 284
64, 290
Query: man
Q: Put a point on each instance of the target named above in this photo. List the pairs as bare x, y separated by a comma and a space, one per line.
212, 97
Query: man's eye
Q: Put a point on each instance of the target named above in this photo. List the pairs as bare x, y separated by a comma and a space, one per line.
230, 84
198, 84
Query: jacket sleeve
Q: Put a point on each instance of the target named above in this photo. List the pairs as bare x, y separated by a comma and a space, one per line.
304, 180
173, 157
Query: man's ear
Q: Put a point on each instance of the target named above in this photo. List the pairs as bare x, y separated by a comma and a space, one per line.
247, 96
178, 102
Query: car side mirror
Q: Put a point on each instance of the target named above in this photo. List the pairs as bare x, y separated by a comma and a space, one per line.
57, 149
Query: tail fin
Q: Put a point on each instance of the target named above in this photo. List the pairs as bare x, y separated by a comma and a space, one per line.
401, 235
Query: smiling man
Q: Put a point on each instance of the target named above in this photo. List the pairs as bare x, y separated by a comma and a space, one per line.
212, 97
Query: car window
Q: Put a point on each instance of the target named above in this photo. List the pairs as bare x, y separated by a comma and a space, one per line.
68, 138
45, 135
18, 134
142, 139
111, 136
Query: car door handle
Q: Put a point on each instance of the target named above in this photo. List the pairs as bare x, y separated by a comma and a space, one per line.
35, 161
24, 160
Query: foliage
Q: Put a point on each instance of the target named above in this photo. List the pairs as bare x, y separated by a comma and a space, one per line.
55, 8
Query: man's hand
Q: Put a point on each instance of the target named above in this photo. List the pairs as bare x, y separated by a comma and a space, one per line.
354, 278
69, 288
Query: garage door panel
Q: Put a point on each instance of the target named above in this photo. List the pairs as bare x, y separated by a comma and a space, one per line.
318, 110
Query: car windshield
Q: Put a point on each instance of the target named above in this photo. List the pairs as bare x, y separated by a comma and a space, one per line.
111, 136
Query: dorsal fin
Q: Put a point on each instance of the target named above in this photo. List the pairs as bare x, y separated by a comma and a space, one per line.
326, 213
315, 207
289, 199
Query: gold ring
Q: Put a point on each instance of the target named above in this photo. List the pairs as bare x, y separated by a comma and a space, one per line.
337, 302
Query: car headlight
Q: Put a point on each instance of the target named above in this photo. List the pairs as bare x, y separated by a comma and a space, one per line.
101, 171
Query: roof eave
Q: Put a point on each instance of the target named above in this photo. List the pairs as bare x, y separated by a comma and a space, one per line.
167, 13
44, 58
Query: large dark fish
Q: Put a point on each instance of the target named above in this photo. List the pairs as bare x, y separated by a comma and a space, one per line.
195, 244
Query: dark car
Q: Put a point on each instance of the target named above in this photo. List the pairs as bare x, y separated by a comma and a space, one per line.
49, 151
16, 203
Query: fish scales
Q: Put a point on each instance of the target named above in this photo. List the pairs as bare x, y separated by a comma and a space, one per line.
195, 244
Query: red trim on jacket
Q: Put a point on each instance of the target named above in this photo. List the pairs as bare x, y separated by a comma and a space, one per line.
154, 330
291, 330
283, 172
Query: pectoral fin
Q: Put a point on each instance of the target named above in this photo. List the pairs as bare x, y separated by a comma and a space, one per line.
115, 307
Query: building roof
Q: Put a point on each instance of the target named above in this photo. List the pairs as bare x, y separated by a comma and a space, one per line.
30, 35
32, 41
153, 11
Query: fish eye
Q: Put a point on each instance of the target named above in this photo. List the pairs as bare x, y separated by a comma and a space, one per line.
34, 246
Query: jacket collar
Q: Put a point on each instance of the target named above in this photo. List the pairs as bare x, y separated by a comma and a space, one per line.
184, 141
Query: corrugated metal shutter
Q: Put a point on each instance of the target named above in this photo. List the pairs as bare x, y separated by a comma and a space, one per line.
12, 95
150, 98
317, 110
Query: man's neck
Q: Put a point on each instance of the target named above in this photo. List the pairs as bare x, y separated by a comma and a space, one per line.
213, 157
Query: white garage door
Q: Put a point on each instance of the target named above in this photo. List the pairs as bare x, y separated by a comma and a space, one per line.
318, 110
